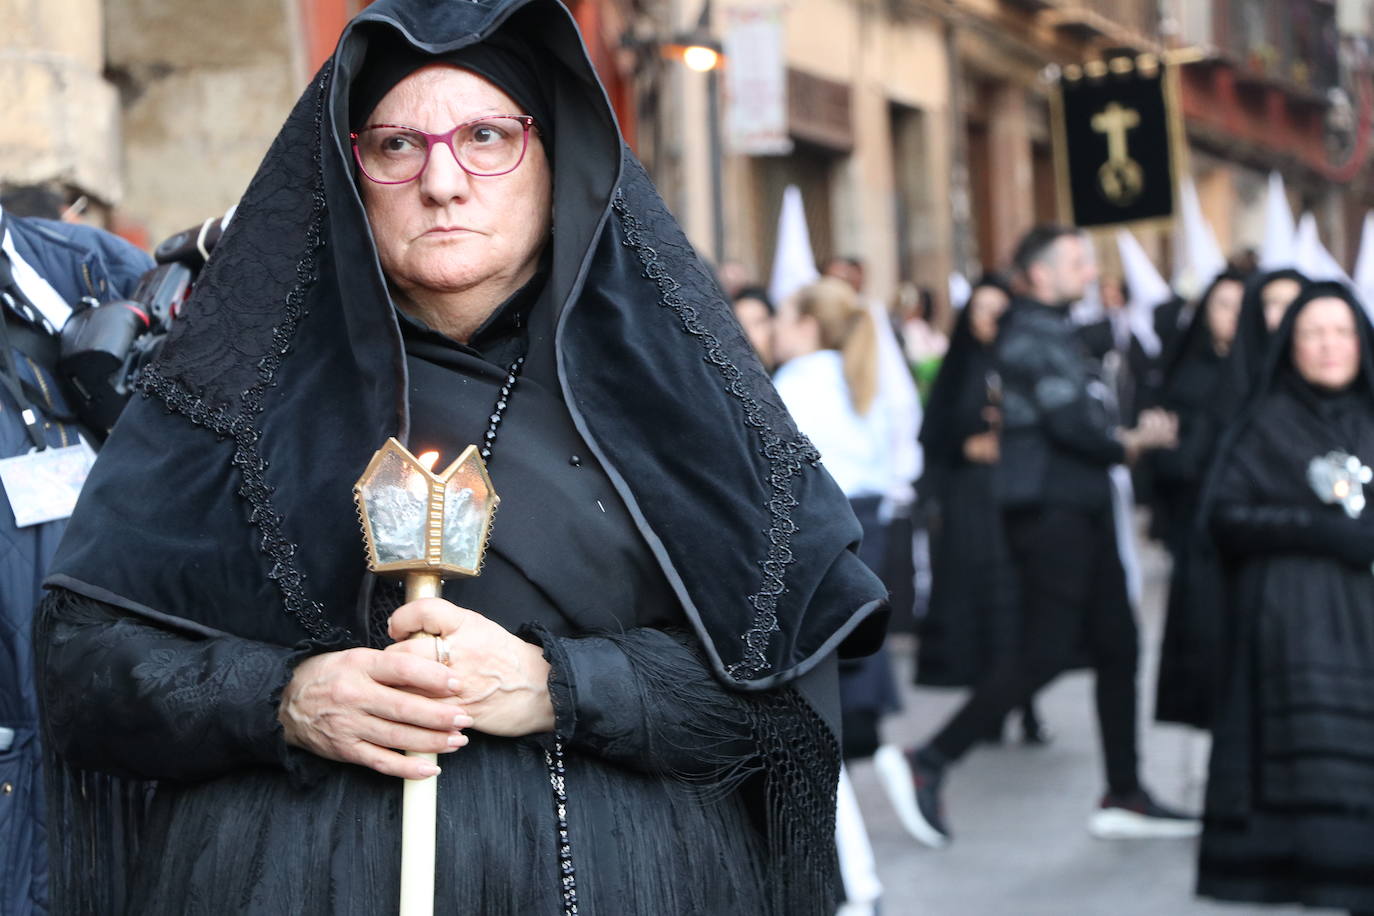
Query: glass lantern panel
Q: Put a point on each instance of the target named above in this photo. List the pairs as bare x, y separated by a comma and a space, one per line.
467, 512
397, 496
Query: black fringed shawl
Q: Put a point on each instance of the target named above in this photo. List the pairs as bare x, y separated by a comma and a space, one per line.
222, 504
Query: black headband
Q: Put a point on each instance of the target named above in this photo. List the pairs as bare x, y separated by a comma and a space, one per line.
507, 65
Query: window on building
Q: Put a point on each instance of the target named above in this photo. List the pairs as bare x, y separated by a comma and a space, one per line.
919, 248
811, 168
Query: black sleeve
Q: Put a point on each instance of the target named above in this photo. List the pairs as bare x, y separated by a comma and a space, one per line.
172, 706
1187, 464
969, 421
1070, 426
646, 700
1060, 391
1243, 529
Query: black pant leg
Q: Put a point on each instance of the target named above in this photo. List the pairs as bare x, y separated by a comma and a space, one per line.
1115, 643
1052, 550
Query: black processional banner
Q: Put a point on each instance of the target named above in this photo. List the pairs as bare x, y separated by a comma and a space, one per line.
1115, 134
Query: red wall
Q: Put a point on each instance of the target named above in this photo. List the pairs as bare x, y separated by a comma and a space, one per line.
1256, 114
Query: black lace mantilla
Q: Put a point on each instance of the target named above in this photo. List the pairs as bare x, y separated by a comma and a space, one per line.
786, 457
241, 426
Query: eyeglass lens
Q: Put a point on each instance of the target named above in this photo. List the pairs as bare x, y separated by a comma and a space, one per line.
490, 146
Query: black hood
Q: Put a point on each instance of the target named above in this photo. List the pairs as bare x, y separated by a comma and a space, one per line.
1278, 375
1251, 346
962, 379
1193, 347
222, 502
1279, 360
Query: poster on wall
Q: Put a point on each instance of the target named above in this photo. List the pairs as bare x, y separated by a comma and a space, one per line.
756, 80
1117, 142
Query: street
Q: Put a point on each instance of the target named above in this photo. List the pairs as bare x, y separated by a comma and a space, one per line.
1019, 814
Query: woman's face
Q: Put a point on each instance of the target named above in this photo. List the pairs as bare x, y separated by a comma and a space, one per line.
794, 334
1223, 313
1276, 296
986, 306
1326, 343
447, 232
757, 321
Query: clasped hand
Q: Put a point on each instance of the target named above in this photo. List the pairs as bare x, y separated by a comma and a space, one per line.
365, 706
1155, 429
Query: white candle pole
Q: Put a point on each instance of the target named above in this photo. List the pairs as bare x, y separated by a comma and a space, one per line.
423, 526
419, 797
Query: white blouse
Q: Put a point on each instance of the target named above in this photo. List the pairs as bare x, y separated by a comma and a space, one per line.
855, 448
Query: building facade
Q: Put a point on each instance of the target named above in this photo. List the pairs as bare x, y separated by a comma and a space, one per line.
948, 156
159, 111
920, 129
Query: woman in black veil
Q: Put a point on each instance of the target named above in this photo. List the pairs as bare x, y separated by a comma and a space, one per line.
1290, 798
1267, 297
973, 616
638, 700
1190, 650
1193, 371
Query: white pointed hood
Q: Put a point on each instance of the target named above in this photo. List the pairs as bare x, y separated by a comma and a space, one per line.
1198, 257
794, 264
1312, 257
1147, 288
1277, 250
1364, 263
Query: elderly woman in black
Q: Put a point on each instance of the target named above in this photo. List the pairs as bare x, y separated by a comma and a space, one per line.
449, 243
1290, 799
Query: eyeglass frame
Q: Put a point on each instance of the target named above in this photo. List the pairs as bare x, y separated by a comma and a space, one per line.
527, 122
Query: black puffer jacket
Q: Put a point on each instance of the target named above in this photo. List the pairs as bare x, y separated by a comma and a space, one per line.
1057, 441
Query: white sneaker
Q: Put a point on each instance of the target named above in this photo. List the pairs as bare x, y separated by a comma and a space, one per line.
901, 782
1139, 816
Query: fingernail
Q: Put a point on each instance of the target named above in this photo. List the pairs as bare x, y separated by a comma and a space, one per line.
457, 740
453, 685
427, 770
462, 721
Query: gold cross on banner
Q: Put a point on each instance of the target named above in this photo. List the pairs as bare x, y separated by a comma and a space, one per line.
1120, 177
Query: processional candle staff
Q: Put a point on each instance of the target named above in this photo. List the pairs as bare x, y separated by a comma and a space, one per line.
423, 527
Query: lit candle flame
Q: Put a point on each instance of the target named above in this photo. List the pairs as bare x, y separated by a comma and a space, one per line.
427, 460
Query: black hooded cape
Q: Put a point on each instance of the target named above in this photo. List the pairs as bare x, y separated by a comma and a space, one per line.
1290, 797
1209, 398
1250, 350
1192, 375
1213, 398
220, 512
973, 611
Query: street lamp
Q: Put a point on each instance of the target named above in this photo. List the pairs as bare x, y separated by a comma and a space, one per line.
700, 52
701, 57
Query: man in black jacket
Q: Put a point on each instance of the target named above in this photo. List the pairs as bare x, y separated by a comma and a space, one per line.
1057, 449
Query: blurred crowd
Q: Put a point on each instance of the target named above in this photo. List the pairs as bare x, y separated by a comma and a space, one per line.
1238, 423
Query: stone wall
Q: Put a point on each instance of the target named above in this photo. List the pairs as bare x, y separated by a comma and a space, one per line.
61, 118
204, 87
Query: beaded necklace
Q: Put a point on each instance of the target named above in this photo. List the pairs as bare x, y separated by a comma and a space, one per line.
553, 760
